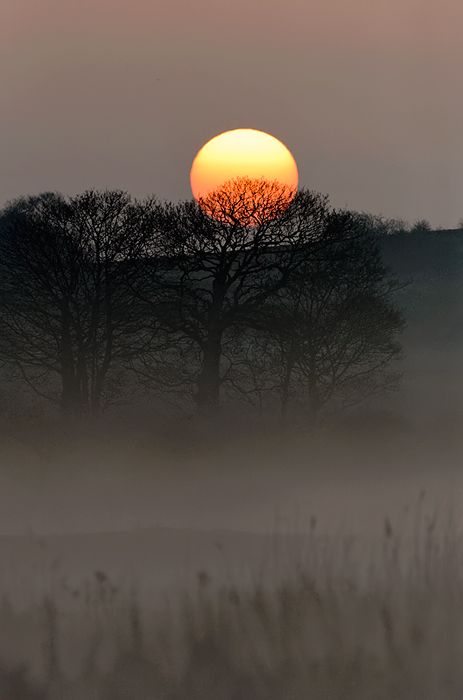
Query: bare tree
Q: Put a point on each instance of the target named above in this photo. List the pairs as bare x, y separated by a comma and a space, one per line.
252, 289
381, 226
334, 330
66, 309
229, 254
421, 226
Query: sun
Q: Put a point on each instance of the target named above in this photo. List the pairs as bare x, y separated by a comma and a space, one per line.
246, 156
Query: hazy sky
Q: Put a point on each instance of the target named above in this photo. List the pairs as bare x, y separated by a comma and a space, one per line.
122, 93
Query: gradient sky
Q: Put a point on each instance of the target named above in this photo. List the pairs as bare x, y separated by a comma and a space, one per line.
122, 93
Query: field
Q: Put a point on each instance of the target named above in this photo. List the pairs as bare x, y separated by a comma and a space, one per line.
325, 627
119, 608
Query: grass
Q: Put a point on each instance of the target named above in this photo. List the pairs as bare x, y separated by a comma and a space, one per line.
341, 624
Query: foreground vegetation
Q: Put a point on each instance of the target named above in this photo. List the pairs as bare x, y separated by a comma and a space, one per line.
338, 626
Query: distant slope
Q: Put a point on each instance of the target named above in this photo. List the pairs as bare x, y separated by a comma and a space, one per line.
430, 265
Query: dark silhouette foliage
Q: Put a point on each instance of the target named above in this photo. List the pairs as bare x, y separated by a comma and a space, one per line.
250, 293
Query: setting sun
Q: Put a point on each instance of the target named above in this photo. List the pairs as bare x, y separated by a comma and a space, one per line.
242, 153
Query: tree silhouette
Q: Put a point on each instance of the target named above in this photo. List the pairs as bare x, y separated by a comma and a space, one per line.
230, 254
333, 332
254, 290
248, 203
421, 226
65, 308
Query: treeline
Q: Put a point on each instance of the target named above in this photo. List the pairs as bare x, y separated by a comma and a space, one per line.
239, 299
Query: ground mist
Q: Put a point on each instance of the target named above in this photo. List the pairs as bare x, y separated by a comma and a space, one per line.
331, 622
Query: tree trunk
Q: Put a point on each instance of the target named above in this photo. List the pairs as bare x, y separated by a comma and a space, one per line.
314, 393
286, 383
74, 392
70, 394
70, 390
208, 393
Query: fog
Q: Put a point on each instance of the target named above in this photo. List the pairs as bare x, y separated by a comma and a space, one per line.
104, 504
113, 543
168, 481
202, 531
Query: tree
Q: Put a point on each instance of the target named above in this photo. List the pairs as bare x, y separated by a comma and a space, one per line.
333, 332
380, 226
229, 255
66, 309
421, 226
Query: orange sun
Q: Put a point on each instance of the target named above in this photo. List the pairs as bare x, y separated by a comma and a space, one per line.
247, 157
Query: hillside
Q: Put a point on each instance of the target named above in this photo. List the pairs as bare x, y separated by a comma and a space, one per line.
430, 265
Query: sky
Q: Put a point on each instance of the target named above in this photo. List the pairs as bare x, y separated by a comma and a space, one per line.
122, 93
